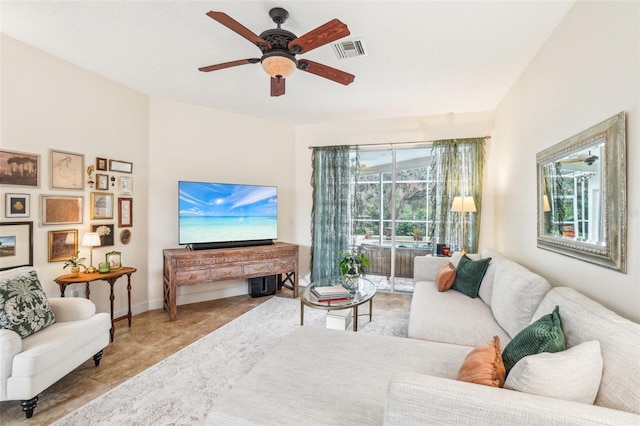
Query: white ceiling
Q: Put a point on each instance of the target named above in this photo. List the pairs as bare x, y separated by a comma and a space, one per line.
424, 57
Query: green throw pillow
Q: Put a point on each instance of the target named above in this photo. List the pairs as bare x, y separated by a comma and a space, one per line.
469, 275
544, 335
24, 307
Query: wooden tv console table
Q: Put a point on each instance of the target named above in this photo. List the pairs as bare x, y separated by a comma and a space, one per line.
185, 267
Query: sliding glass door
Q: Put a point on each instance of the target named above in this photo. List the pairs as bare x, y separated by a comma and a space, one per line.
391, 223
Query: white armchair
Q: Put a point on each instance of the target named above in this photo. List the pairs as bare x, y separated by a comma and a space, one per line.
30, 365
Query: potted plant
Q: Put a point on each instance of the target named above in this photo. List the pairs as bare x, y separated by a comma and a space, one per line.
75, 263
418, 234
351, 265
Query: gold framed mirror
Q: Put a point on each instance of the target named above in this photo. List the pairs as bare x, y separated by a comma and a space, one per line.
582, 195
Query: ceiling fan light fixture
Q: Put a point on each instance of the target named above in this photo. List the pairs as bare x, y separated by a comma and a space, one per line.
278, 64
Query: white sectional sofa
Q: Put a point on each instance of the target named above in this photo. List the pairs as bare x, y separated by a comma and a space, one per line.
329, 377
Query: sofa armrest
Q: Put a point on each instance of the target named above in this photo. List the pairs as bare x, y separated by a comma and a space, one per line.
71, 308
425, 268
10, 346
418, 399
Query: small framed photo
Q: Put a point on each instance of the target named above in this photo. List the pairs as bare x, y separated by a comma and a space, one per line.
17, 244
102, 182
63, 245
19, 168
101, 205
105, 232
61, 210
114, 259
120, 166
125, 184
17, 205
67, 170
125, 212
101, 164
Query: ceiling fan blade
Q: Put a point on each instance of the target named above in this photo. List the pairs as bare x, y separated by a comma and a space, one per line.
326, 71
331, 31
240, 29
229, 64
277, 86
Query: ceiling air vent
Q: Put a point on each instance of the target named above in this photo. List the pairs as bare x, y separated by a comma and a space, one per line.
349, 49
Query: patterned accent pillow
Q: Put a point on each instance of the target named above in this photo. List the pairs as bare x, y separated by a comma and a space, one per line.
483, 365
469, 274
24, 307
543, 335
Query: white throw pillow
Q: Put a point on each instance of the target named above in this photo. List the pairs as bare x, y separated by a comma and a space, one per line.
573, 375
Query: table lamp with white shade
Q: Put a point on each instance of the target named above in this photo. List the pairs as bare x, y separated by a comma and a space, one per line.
462, 205
91, 240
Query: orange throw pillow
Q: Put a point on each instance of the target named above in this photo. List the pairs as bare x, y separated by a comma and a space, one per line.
446, 276
484, 366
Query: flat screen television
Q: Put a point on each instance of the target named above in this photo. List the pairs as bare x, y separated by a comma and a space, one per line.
214, 215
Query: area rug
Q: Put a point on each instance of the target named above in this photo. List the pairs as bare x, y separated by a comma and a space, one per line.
181, 389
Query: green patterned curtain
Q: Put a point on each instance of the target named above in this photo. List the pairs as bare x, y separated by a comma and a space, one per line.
456, 170
335, 171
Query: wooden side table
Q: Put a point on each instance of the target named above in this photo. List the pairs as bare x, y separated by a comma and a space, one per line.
111, 277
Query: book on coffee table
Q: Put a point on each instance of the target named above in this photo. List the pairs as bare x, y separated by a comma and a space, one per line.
331, 291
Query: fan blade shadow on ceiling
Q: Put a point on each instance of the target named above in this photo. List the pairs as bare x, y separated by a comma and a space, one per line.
331, 31
277, 86
229, 64
326, 71
240, 29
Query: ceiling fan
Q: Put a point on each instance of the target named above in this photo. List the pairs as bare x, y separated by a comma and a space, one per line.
588, 159
279, 49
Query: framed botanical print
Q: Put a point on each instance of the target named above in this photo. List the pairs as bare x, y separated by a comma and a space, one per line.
63, 245
19, 168
101, 205
125, 212
17, 244
120, 166
101, 164
61, 210
125, 184
102, 182
17, 205
105, 232
67, 170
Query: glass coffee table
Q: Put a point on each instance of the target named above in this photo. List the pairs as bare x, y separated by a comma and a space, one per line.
363, 291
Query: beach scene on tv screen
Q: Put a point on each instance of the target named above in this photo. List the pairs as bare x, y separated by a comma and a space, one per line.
214, 212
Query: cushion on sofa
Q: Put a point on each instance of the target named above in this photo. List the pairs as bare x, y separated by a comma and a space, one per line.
486, 287
446, 276
451, 317
573, 374
516, 294
484, 365
584, 320
23, 305
469, 275
543, 335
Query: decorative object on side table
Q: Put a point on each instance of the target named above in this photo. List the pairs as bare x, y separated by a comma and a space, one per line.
75, 263
114, 259
91, 240
351, 265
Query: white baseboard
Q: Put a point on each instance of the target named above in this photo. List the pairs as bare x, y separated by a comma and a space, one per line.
219, 293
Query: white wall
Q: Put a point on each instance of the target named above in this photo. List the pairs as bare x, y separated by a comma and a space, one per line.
194, 143
586, 72
384, 131
48, 104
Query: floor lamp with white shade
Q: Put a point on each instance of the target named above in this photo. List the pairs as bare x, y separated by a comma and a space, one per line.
462, 205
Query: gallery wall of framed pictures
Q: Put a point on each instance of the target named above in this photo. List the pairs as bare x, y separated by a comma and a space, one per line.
81, 196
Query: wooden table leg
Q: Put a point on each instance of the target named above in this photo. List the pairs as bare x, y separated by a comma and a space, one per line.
87, 292
129, 297
111, 282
